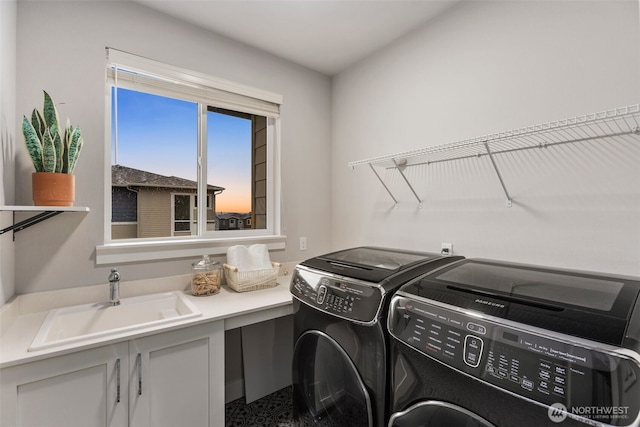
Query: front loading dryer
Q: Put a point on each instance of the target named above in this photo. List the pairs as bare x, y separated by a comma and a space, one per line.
341, 360
484, 343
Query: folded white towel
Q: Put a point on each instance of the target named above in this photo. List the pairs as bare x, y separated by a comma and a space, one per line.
259, 255
238, 256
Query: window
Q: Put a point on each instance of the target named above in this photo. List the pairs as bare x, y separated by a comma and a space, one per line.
183, 220
178, 136
184, 207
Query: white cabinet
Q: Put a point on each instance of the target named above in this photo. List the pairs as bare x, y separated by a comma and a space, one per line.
177, 378
168, 379
87, 388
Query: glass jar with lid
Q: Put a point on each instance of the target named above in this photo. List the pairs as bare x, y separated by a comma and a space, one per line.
206, 277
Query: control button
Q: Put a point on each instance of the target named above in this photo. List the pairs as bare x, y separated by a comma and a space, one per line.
433, 347
473, 350
527, 384
558, 390
545, 365
514, 378
471, 359
474, 327
545, 375
322, 292
560, 370
559, 380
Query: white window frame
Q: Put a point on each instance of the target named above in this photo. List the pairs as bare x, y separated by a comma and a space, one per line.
216, 92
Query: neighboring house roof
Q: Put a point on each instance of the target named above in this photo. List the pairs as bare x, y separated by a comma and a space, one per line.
123, 176
234, 215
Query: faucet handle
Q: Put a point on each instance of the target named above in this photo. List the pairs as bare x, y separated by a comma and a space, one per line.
114, 276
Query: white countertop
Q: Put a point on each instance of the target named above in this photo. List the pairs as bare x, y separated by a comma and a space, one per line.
21, 318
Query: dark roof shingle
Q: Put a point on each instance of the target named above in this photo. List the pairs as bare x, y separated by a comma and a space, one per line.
123, 176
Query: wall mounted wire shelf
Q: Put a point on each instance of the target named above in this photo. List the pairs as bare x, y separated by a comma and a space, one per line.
614, 124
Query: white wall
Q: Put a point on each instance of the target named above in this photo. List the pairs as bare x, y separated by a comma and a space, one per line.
7, 142
486, 67
61, 49
481, 68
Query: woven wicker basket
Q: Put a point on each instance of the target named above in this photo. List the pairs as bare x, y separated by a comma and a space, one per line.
244, 281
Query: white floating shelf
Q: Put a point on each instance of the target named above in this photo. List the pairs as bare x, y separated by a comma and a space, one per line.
44, 208
46, 212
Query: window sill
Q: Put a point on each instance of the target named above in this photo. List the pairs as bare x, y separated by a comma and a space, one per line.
126, 252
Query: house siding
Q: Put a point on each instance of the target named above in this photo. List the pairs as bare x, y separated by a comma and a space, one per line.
154, 213
124, 230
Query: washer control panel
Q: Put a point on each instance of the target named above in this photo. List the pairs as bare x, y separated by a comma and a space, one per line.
537, 367
347, 298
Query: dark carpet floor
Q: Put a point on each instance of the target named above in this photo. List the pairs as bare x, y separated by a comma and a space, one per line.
274, 410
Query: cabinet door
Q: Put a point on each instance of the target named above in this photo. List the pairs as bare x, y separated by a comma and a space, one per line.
177, 378
88, 388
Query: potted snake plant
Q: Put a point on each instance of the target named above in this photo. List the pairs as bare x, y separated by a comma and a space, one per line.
54, 154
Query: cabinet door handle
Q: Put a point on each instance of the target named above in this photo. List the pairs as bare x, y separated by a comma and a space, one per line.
118, 380
139, 363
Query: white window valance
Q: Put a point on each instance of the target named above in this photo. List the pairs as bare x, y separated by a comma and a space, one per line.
138, 73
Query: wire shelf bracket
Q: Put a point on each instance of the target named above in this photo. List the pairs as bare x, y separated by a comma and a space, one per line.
395, 201
395, 162
495, 167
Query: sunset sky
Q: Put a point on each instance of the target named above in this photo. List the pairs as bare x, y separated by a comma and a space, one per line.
159, 135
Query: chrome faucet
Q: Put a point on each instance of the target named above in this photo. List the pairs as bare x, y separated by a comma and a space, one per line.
114, 287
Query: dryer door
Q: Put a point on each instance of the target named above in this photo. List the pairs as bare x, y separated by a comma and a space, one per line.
327, 388
433, 413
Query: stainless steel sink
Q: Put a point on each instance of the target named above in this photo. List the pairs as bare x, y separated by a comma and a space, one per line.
82, 322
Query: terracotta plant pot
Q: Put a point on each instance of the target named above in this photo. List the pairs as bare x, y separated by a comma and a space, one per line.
53, 189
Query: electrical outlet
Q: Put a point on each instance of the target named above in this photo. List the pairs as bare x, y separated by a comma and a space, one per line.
447, 249
303, 243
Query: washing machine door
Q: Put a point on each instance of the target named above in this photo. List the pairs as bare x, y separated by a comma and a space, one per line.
433, 413
327, 388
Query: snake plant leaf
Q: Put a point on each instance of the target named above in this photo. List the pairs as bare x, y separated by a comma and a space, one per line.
73, 149
48, 152
67, 139
34, 147
49, 111
54, 131
38, 123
